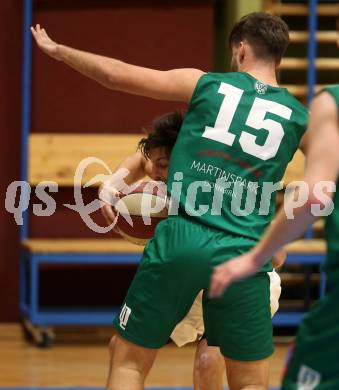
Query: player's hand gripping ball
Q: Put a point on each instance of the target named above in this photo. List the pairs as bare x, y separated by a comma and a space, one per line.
139, 212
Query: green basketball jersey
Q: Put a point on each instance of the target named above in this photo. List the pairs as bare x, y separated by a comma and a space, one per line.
234, 145
332, 221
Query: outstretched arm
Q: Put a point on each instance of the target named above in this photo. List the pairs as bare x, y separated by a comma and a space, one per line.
322, 164
174, 85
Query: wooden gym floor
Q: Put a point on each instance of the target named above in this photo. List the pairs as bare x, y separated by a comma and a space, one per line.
81, 361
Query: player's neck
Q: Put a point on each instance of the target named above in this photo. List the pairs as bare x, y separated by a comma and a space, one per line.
264, 73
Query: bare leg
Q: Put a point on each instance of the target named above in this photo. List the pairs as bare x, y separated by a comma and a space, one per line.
247, 375
129, 364
111, 348
209, 367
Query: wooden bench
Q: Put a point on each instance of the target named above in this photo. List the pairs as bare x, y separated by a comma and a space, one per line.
86, 245
291, 63
300, 9
307, 246
55, 157
322, 36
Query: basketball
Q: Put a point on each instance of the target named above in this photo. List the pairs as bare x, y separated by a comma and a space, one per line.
140, 211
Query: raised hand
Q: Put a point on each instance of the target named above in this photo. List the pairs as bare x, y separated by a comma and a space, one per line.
44, 42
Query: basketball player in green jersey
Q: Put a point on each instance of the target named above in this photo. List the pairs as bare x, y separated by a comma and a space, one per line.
314, 363
152, 160
239, 134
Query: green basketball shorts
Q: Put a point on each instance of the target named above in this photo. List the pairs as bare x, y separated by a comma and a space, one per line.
314, 363
177, 263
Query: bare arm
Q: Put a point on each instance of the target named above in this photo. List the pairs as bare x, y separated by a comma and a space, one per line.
174, 85
322, 164
136, 166
303, 146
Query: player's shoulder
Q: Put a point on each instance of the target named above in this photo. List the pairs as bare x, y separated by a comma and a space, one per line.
295, 102
210, 80
332, 90
326, 101
237, 79
223, 76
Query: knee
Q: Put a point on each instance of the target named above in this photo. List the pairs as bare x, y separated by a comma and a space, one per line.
211, 361
131, 357
125, 368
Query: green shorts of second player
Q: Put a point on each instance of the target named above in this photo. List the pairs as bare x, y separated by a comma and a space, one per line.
314, 364
177, 263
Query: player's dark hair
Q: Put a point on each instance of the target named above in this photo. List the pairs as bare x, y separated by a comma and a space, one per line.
163, 133
268, 35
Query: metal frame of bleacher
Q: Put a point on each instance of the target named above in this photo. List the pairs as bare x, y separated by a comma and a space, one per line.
37, 319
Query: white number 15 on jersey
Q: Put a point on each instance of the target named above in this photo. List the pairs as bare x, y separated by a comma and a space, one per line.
256, 120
